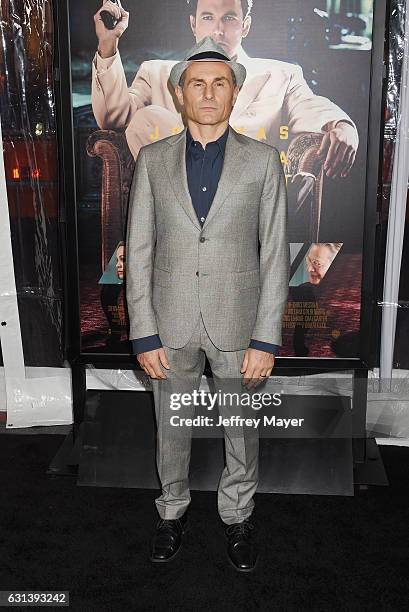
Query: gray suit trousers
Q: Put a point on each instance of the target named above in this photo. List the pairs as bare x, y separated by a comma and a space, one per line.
239, 478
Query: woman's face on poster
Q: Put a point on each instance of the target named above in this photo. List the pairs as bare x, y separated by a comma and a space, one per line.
120, 262
223, 21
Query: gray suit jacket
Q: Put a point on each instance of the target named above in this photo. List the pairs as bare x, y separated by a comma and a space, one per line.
175, 268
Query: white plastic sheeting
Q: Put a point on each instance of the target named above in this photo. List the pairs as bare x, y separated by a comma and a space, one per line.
32, 396
397, 212
43, 397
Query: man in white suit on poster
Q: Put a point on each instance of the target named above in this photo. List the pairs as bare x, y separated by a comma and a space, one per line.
275, 93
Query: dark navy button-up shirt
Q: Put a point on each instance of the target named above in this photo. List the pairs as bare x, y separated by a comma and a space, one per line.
203, 169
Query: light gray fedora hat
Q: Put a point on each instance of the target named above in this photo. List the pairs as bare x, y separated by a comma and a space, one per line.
206, 50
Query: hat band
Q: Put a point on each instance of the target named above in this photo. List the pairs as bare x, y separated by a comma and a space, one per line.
209, 54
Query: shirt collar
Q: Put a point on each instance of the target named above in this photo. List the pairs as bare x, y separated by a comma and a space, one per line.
221, 141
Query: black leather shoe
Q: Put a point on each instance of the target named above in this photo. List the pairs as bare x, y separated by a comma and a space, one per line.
167, 539
241, 549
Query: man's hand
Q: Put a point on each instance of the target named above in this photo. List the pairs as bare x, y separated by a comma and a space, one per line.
108, 39
256, 367
151, 362
339, 147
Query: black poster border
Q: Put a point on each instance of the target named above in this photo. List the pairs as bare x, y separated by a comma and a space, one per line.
372, 249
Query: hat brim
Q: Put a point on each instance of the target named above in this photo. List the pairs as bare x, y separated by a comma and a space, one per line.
178, 69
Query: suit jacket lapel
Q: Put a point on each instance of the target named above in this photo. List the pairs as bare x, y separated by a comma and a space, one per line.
234, 165
175, 164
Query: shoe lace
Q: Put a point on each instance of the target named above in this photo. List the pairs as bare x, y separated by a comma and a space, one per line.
240, 529
169, 524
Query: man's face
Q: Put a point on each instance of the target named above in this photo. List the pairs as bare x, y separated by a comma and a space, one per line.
208, 92
120, 260
223, 21
318, 261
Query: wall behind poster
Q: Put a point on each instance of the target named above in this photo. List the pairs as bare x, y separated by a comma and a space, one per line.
331, 41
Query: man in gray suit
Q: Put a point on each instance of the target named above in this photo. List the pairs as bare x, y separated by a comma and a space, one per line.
207, 259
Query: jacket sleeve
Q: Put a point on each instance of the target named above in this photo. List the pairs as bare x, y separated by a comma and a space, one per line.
113, 103
140, 251
307, 112
274, 254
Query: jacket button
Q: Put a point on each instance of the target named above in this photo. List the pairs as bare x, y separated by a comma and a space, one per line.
202, 238
197, 273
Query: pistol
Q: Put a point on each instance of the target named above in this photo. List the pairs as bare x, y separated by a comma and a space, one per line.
109, 20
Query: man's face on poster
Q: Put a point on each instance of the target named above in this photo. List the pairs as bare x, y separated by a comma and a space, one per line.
223, 21
318, 261
120, 262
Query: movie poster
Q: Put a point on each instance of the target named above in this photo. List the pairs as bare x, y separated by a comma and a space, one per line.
306, 93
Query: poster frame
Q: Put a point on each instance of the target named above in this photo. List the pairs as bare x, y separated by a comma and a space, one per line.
372, 248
